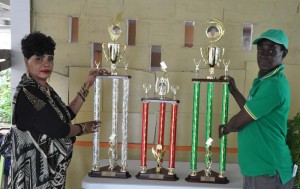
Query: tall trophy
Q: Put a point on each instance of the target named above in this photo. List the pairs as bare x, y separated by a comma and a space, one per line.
114, 51
117, 163
212, 57
159, 150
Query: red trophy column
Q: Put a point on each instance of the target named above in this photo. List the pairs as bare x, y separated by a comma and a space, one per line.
161, 131
173, 138
144, 137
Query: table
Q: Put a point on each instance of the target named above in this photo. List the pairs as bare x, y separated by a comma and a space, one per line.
181, 169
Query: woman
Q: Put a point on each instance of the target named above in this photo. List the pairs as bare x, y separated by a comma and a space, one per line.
42, 136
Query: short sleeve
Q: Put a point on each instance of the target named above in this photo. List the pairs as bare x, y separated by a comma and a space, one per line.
263, 101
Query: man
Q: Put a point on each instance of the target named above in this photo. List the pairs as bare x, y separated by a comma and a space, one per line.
263, 154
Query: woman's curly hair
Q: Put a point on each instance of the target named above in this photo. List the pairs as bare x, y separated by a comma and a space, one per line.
37, 43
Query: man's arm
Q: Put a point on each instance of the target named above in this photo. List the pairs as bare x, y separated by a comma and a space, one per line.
236, 123
237, 95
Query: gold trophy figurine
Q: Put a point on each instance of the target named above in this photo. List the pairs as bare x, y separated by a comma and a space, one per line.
197, 67
158, 154
212, 57
112, 157
97, 65
226, 65
114, 51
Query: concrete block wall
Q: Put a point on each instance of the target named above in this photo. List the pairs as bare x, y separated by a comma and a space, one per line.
161, 22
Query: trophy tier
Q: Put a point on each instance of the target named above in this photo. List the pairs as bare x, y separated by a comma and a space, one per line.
157, 99
210, 80
114, 76
151, 174
105, 172
202, 178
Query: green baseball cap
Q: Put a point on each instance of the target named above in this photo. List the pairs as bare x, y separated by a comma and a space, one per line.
277, 36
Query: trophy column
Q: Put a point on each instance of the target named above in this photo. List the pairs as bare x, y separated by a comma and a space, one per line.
223, 140
96, 137
159, 173
207, 175
113, 170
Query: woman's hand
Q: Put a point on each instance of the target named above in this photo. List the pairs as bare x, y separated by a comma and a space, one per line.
91, 78
83, 128
88, 127
91, 126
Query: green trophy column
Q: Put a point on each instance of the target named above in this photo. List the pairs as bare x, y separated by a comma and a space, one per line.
195, 123
223, 140
209, 111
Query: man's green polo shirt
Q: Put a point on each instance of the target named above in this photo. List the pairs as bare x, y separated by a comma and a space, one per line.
262, 144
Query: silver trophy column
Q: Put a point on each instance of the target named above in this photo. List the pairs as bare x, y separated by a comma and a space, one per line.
113, 170
125, 124
96, 138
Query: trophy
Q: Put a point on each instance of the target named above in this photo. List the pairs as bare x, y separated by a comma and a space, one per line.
158, 154
146, 87
197, 67
212, 58
162, 87
97, 65
226, 66
114, 51
112, 153
174, 90
113, 170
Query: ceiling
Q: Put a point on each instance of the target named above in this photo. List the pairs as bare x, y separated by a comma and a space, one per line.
4, 13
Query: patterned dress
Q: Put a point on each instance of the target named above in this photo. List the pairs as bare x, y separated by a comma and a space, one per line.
40, 150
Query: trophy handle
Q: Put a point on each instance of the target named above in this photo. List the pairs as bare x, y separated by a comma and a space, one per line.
223, 51
123, 52
156, 84
203, 57
105, 50
168, 85
220, 60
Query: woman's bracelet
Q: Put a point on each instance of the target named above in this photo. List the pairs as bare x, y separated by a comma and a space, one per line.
82, 128
84, 92
82, 97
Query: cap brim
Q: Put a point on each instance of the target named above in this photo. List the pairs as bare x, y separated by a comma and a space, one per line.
269, 38
256, 41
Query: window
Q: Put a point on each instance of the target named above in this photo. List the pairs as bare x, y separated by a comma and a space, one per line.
189, 34
73, 29
97, 54
131, 32
247, 36
155, 57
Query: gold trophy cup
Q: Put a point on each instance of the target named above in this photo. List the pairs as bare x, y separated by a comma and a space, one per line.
213, 54
114, 51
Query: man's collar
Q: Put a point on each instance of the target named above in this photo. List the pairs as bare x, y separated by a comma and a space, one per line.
270, 74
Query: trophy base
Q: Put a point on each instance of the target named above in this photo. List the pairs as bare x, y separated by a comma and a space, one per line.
213, 178
151, 174
105, 172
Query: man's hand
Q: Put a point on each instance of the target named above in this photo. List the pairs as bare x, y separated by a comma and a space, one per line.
231, 81
223, 130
